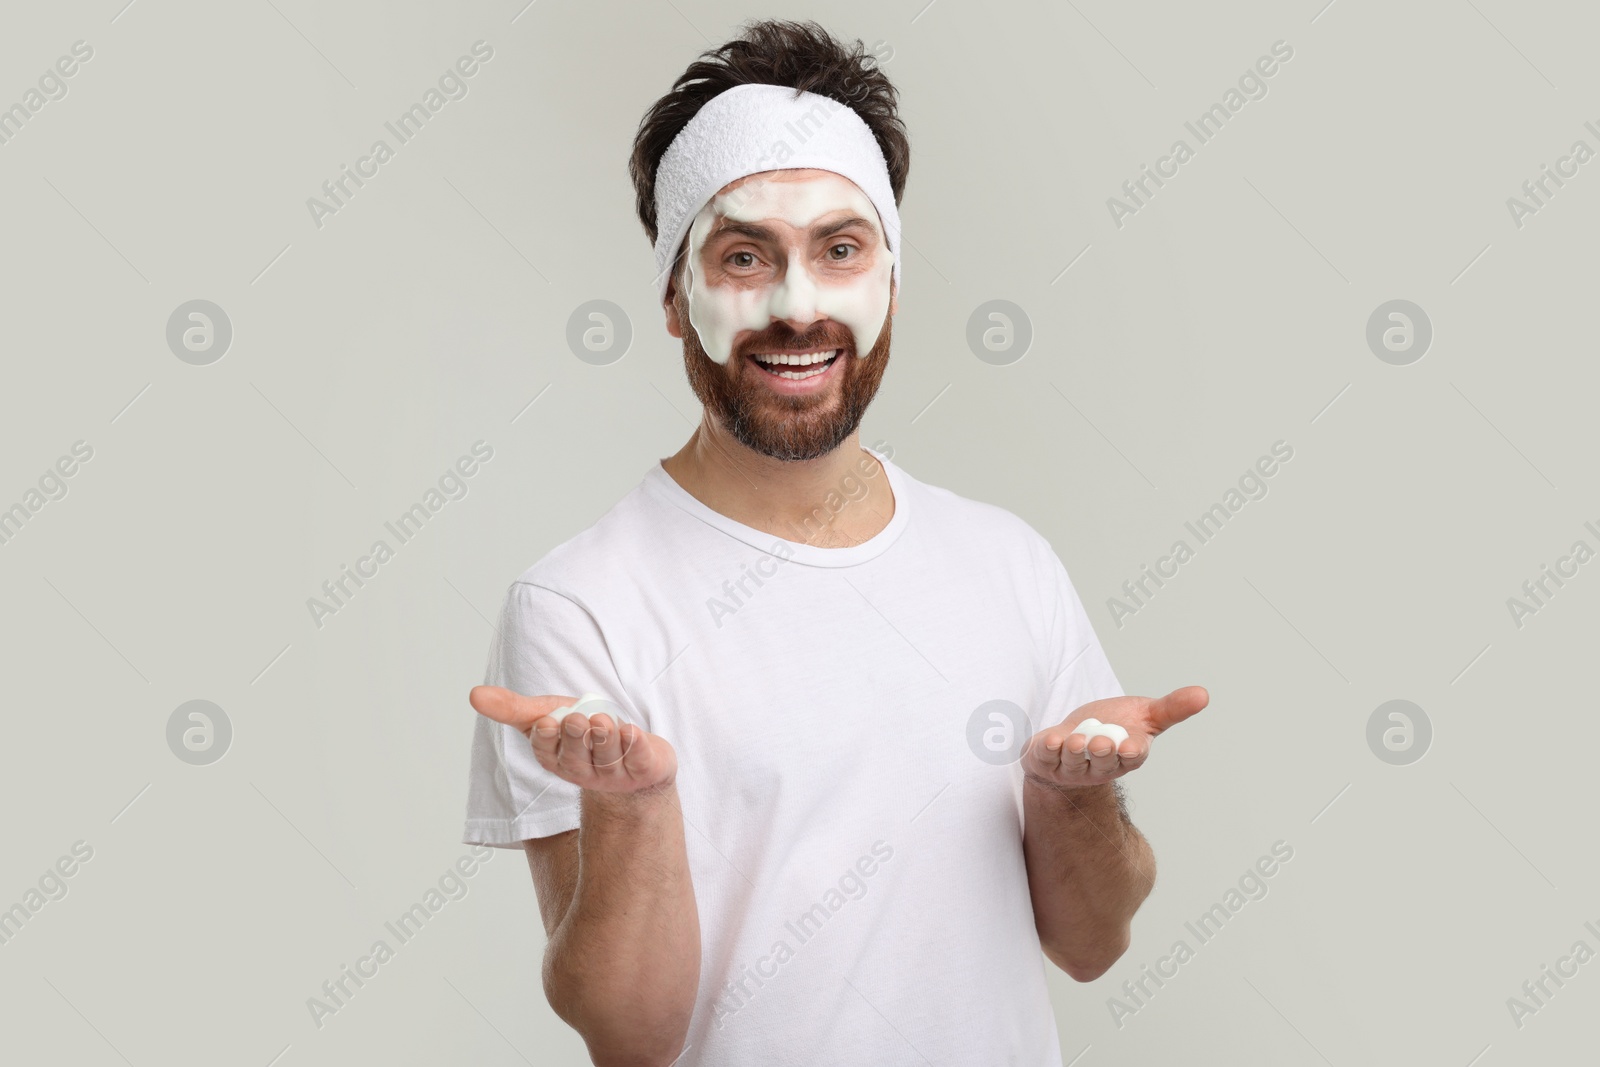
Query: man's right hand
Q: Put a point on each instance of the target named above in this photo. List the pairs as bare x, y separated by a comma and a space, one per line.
592, 752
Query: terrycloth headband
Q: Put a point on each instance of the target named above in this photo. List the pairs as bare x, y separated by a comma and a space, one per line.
753, 128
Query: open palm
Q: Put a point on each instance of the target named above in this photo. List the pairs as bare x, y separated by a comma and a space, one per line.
1056, 756
592, 752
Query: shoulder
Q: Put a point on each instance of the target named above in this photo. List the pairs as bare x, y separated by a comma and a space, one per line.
996, 546
988, 526
615, 556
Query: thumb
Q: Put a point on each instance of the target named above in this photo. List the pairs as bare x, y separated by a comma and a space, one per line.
514, 709
1177, 706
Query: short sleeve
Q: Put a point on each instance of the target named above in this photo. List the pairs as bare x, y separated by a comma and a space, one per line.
545, 644
1079, 670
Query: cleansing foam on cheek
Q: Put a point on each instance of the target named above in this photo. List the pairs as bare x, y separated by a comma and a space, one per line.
719, 313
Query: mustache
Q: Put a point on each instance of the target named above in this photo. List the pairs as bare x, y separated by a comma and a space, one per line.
820, 335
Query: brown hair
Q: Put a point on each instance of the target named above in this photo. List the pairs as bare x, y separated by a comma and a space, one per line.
801, 55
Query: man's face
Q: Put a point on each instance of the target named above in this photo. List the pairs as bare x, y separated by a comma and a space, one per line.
784, 266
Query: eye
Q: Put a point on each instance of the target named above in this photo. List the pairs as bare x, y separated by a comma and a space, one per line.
834, 252
743, 259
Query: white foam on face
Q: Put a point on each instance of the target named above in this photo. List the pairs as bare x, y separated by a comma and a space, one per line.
1093, 728
798, 289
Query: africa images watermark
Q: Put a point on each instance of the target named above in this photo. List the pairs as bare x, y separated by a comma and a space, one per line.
1579, 554
351, 978
1538, 191
452, 85
737, 592
1252, 486
52, 85
1576, 957
1252, 85
52, 886
851, 489
52, 486
804, 128
737, 992
452, 485
1252, 886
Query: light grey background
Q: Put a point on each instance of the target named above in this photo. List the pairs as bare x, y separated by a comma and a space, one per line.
368, 354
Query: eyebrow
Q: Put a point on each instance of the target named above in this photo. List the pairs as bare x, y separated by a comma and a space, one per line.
757, 232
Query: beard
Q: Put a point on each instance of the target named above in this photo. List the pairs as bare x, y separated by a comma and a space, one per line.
785, 427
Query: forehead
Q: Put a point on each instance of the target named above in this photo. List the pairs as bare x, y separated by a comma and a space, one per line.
798, 197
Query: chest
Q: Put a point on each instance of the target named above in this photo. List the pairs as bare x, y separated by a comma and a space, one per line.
829, 692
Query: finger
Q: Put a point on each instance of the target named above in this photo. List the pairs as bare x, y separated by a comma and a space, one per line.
514, 709
630, 737
1074, 766
1046, 750
1133, 752
628, 744
546, 738
573, 757
1103, 760
638, 758
606, 745
1074, 759
1177, 706
1076, 749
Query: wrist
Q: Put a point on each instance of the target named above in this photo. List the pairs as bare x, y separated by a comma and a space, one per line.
1086, 798
632, 804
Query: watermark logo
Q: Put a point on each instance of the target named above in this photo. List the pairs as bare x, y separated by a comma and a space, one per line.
998, 731
199, 332
599, 332
1399, 332
999, 332
619, 716
1399, 732
199, 732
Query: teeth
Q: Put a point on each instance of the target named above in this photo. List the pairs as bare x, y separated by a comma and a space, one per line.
800, 376
798, 361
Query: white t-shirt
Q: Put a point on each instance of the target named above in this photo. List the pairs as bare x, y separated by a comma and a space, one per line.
853, 812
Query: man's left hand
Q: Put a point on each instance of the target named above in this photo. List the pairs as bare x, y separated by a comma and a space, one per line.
1056, 756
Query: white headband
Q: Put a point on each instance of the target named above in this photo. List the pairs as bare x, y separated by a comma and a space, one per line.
753, 128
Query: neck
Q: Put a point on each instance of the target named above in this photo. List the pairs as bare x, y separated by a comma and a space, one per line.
833, 501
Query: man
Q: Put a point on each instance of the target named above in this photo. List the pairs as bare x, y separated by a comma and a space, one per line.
810, 821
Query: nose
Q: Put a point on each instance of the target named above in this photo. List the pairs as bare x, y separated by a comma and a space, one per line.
795, 300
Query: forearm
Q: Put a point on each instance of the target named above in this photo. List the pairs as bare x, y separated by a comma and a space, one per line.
623, 967
1089, 869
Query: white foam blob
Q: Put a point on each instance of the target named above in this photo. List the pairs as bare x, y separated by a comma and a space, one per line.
1092, 728
587, 698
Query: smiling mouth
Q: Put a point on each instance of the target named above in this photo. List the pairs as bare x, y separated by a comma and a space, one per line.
796, 367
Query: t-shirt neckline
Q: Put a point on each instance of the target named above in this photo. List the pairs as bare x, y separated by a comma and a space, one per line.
664, 485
